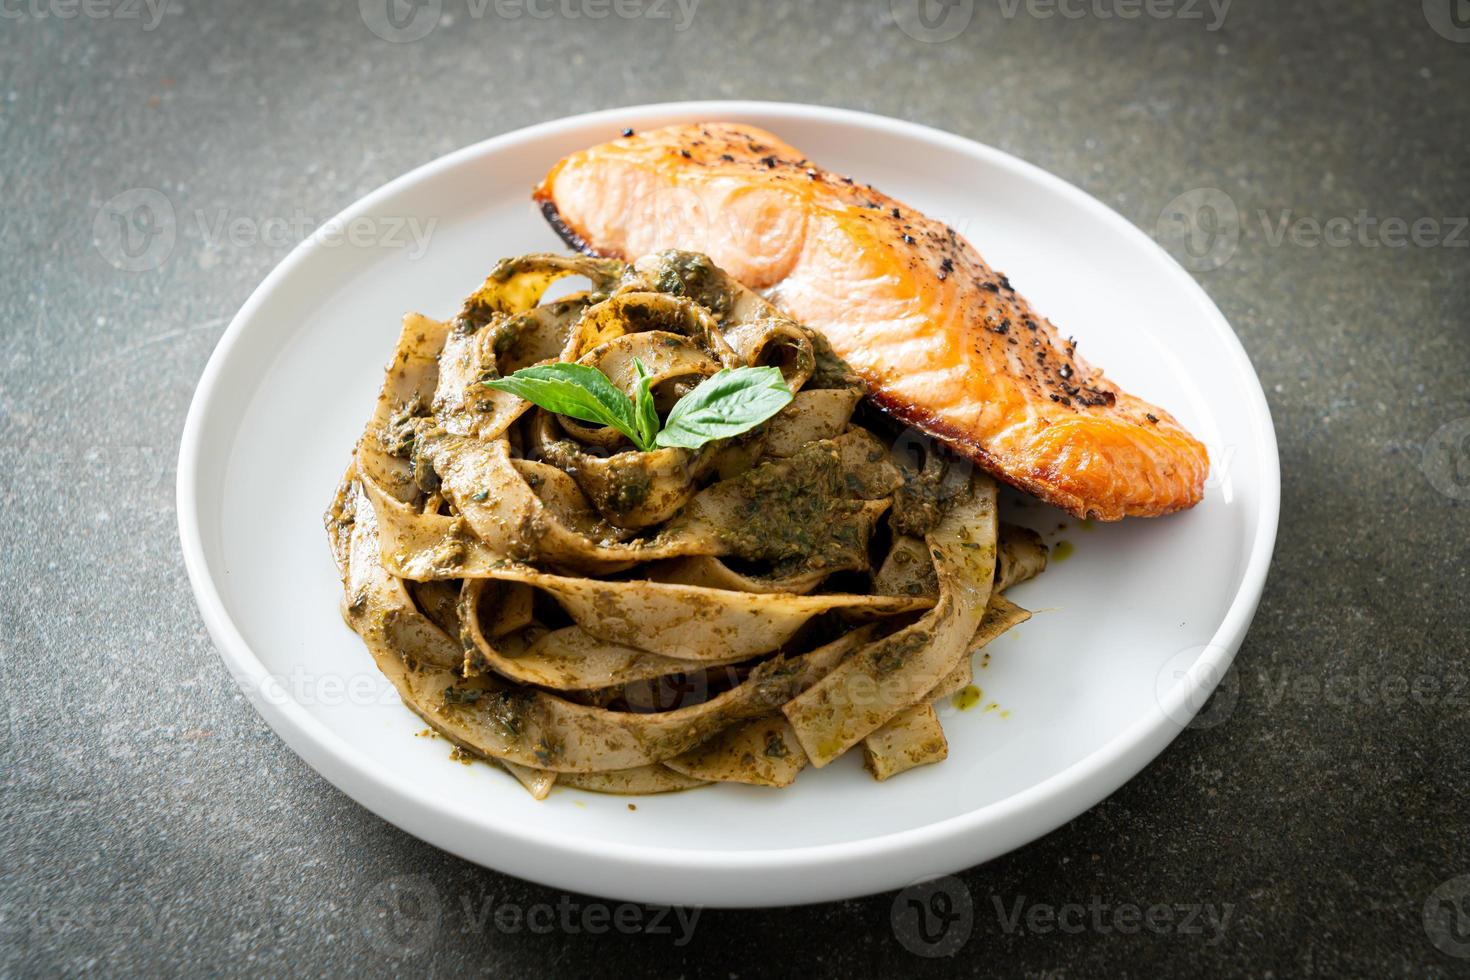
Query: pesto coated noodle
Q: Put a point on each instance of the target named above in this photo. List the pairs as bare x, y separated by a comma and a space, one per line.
581, 613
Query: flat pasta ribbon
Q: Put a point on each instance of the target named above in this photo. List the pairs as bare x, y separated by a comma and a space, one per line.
583, 614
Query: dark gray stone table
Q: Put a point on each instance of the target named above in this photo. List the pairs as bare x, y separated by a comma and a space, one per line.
153, 824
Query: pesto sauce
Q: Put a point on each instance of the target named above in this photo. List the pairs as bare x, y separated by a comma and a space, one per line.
800, 511
776, 746
694, 276
967, 697
921, 502
829, 371
628, 487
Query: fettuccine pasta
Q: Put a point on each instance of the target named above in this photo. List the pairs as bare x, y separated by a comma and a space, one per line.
549, 598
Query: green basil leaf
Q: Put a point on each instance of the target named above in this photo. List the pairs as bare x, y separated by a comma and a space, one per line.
644, 410
576, 391
724, 405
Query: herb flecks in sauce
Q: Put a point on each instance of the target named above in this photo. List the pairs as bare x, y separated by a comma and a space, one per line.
803, 508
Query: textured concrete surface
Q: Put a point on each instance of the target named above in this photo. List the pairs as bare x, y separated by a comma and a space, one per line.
152, 823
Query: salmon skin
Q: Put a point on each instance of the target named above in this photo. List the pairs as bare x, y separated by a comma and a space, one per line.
944, 342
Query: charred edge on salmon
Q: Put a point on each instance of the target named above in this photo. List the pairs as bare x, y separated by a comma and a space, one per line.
564, 231
960, 441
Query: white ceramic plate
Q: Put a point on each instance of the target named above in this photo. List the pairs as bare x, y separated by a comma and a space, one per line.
1137, 627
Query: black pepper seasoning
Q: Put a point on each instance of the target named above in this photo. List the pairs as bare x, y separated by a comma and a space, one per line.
628, 131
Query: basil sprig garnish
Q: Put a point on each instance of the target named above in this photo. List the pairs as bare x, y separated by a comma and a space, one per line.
725, 404
645, 413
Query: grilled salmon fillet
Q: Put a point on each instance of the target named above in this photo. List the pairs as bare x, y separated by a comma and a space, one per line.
944, 342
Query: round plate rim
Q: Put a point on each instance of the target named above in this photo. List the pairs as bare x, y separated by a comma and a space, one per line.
744, 878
